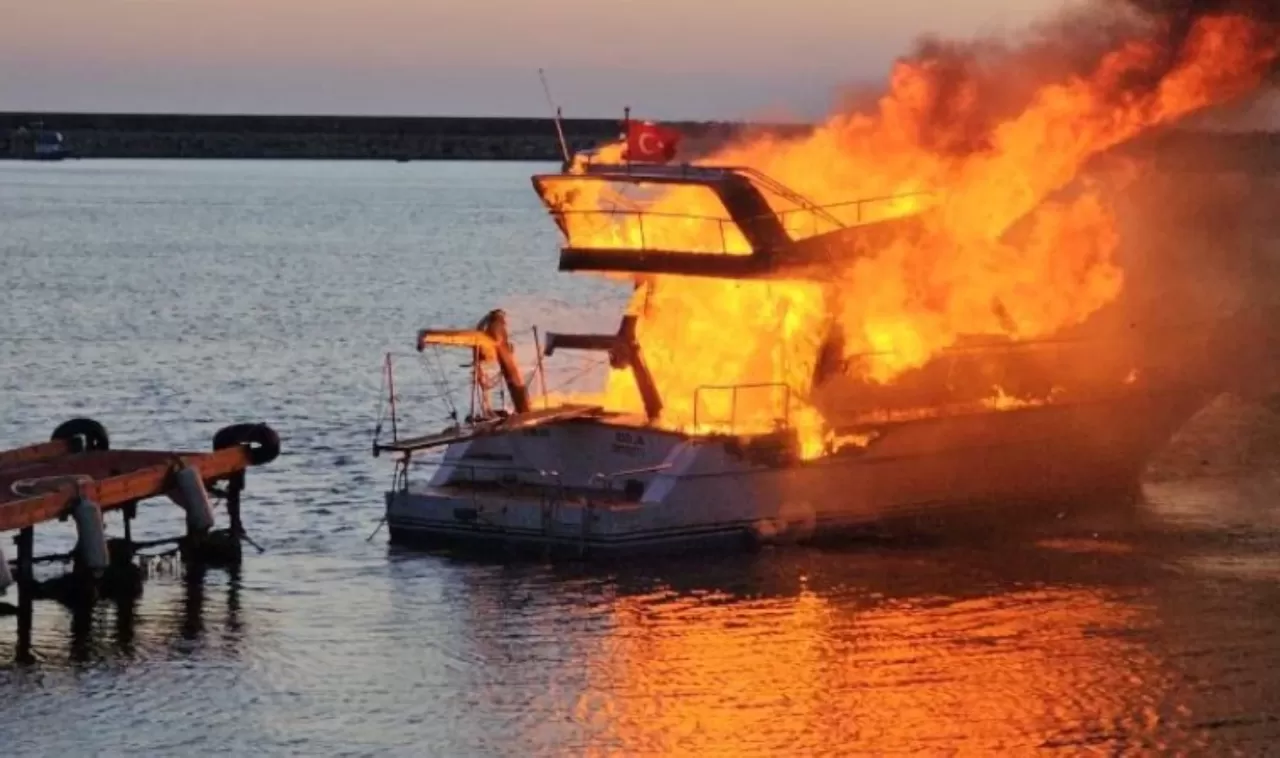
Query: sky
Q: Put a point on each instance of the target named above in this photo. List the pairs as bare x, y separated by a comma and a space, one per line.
667, 59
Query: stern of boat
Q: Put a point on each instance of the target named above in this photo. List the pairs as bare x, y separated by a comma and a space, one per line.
589, 486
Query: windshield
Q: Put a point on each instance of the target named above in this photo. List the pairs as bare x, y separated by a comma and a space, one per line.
600, 214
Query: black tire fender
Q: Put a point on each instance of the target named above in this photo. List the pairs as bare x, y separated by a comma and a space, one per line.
83, 434
263, 442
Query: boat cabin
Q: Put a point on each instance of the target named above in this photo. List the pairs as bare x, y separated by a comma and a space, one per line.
723, 222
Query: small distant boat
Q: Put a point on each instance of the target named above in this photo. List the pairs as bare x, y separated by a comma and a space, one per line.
37, 143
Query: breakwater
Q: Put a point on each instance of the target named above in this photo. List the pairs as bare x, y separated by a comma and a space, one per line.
146, 135
102, 135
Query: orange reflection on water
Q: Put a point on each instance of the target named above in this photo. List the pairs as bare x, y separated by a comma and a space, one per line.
816, 675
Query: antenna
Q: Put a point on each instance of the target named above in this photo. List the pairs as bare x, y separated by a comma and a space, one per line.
564, 146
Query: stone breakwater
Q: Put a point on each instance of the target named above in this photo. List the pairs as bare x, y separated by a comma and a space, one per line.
122, 135
91, 135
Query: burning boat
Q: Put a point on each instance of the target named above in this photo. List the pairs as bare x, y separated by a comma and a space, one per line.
743, 462
794, 363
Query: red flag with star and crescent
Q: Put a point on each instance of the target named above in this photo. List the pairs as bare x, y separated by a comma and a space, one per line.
648, 142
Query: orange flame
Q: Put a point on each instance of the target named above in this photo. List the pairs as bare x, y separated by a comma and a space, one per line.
914, 298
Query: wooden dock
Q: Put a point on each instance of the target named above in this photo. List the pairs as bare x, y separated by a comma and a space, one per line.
76, 475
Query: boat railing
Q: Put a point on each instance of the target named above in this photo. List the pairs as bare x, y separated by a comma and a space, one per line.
802, 202
473, 471
553, 479
832, 212
636, 172
642, 230
735, 391
610, 476
473, 468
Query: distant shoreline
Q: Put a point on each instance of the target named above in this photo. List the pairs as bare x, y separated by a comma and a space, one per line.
124, 135
484, 138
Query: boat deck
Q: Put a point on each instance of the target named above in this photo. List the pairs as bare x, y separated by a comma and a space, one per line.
505, 425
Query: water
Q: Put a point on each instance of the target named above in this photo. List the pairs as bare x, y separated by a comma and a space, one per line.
168, 299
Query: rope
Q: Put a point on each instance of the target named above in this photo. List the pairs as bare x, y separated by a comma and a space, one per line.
45, 484
443, 381
565, 384
380, 408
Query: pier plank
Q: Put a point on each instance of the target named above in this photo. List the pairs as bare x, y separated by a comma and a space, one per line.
34, 453
149, 479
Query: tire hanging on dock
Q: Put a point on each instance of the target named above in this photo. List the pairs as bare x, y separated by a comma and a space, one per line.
83, 434
263, 442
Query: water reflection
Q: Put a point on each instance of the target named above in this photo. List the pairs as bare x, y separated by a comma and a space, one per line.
855, 656
811, 652
122, 626
989, 673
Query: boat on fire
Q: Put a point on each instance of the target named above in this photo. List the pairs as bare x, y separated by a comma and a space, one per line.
1074, 418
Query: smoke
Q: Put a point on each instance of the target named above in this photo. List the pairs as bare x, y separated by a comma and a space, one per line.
975, 85
1178, 16
1173, 21
1143, 63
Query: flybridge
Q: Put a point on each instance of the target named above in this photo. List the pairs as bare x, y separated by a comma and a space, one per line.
723, 222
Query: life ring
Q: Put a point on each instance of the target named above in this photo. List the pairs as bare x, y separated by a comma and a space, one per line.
83, 434
263, 442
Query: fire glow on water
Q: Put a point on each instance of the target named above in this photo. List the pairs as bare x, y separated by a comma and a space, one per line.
995, 130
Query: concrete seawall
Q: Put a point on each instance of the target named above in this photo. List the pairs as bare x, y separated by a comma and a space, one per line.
330, 137
122, 135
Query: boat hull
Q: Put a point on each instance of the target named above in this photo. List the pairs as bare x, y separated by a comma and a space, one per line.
1023, 464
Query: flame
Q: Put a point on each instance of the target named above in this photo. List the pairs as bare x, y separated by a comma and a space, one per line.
963, 274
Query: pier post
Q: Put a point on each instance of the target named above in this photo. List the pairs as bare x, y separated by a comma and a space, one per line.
235, 486
26, 588
129, 511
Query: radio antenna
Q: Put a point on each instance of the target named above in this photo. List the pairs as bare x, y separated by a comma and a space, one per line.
564, 146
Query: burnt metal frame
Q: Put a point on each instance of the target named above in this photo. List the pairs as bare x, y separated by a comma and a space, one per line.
746, 205
624, 353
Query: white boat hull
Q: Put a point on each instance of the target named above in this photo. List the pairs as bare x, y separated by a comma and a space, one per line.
541, 488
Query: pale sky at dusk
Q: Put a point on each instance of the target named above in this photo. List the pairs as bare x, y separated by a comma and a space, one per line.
665, 58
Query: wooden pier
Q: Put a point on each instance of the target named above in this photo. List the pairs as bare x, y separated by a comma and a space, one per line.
77, 476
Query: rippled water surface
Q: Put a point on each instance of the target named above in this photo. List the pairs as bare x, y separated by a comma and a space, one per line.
168, 299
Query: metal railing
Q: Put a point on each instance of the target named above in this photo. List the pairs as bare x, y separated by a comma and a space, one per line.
778, 188
642, 230
555, 477
830, 211
473, 468
609, 477
695, 173
735, 389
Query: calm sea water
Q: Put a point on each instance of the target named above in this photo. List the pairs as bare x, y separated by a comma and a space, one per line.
168, 299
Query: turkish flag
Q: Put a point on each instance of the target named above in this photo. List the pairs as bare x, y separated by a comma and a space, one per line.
648, 142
